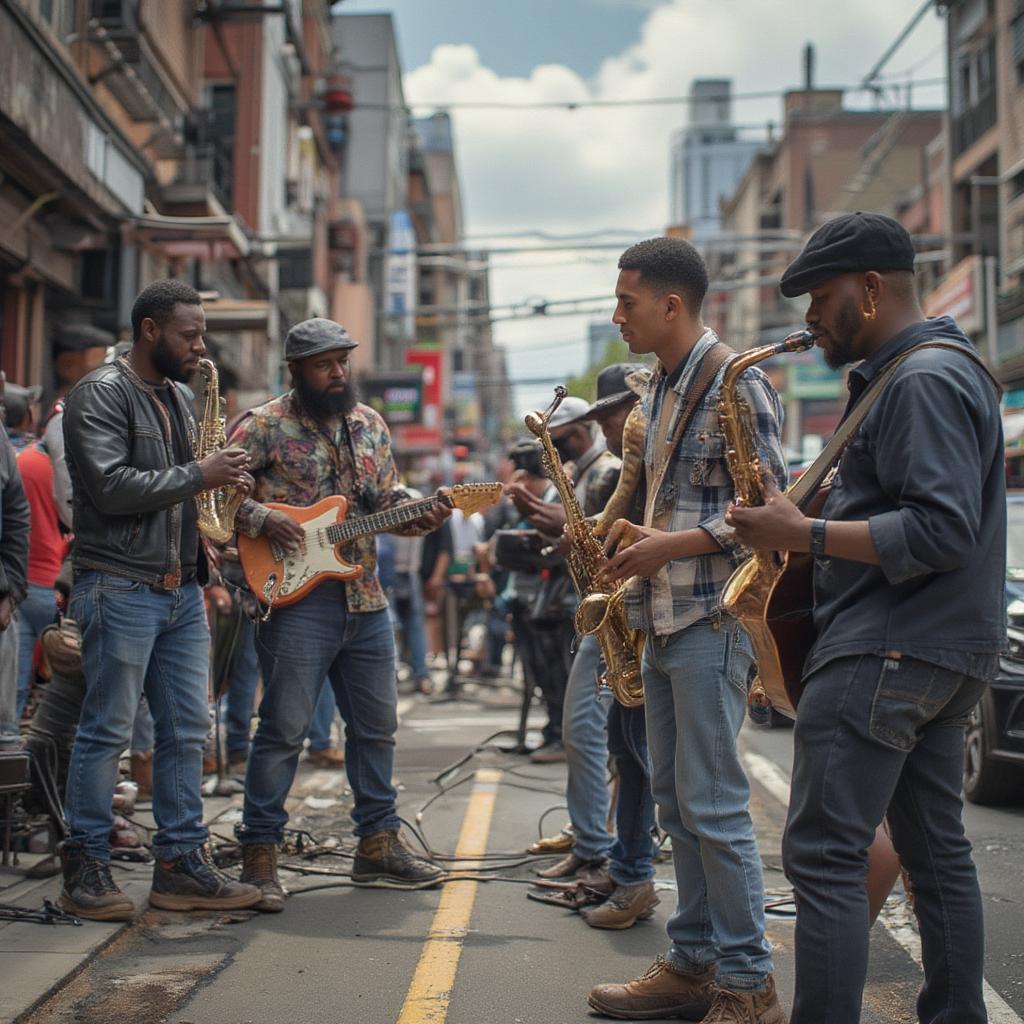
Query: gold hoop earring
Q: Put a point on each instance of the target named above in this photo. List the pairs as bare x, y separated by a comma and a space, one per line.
872, 312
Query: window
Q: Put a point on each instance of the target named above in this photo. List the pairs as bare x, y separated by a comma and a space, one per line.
59, 15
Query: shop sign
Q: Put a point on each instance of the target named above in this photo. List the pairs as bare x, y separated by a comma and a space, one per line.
960, 295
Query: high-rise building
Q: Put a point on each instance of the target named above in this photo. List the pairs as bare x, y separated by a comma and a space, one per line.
708, 158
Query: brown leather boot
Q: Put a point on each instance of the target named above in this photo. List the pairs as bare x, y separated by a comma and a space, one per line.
568, 866
385, 858
733, 1007
562, 843
626, 905
142, 773
259, 868
663, 991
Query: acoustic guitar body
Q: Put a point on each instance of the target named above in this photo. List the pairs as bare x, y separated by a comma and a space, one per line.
279, 579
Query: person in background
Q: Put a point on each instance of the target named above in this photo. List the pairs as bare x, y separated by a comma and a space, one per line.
14, 547
321, 752
77, 350
438, 551
47, 547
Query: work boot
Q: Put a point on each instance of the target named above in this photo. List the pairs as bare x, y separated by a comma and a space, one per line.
626, 905
568, 866
259, 868
330, 758
142, 773
385, 858
733, 1007
191, 882
562, 843
663, 991
89, 890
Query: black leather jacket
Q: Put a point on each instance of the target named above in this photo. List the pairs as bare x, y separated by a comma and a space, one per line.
127, 490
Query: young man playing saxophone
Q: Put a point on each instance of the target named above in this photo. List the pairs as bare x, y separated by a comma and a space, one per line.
696, 660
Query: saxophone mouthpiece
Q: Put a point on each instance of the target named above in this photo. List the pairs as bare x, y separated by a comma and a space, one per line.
798, 341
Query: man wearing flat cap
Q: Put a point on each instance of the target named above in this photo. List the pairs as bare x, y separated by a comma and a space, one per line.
910, 555
315, 441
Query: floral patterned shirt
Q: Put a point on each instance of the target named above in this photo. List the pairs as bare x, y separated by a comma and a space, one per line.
299, 461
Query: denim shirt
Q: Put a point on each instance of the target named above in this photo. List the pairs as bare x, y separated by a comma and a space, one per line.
695, 492
926, 471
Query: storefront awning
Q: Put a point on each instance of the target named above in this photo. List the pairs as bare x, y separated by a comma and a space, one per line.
203, 238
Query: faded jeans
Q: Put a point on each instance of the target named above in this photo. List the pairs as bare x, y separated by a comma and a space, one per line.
585, 738
298, 646
632, 853
35, 613
139, 640
695, 685
10, 733
879, 737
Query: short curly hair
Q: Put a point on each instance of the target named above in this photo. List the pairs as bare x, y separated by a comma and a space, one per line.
669, 264
157, 301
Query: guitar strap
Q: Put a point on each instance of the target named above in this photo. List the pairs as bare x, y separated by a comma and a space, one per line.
714, 359
804, 489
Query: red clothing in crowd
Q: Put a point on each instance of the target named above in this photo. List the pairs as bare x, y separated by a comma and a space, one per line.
47, 546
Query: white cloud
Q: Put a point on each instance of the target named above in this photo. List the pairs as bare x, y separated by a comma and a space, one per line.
594, 168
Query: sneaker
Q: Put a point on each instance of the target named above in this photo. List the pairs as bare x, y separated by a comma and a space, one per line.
259, 868
330, 758
191, 882
626, 905
89, 889
385, 857
662, 991
733, 1007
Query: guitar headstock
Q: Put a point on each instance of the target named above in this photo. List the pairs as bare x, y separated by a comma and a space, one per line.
472, 498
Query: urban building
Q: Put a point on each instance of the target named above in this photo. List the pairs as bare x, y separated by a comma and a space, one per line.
708, 159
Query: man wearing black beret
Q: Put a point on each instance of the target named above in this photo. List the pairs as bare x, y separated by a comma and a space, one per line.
910, 555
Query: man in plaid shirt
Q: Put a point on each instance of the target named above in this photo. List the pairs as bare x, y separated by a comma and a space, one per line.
697, 661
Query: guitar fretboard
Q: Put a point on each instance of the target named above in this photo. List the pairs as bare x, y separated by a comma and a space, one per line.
389, 519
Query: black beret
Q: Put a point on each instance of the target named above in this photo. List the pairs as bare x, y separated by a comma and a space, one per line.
855, 242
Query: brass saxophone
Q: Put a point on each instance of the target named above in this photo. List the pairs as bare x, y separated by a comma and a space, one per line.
747, 592
620, 504
217, 507
600, 613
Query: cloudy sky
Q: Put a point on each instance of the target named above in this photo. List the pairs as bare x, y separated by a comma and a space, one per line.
598, 169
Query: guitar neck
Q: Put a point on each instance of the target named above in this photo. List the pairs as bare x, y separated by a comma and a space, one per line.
381, 522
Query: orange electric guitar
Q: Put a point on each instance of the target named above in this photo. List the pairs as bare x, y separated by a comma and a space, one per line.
277, 578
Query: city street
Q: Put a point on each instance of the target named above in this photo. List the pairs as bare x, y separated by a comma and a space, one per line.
473, 953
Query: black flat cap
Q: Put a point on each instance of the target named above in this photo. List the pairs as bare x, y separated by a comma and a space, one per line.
853, 243
312, 337
618, 383
79, 337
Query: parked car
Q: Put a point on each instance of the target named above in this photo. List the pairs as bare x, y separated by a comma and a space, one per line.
994, 751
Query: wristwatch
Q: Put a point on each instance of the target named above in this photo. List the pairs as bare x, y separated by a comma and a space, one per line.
818, 537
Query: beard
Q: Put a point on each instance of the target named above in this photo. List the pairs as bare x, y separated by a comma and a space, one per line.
322, 405
842, 350
167, 364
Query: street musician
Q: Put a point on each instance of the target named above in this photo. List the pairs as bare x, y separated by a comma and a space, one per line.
312, 442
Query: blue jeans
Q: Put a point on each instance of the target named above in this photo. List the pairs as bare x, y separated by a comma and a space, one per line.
240, 699
585, 738
300, 645
138, 640
10, 732
695, 685
323, 718
880, 737
35, 613
633, 851
407, 604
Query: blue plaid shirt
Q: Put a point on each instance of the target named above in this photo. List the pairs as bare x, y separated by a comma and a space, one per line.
696, 491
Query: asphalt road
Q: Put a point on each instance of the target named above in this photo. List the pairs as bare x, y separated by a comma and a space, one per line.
476, 953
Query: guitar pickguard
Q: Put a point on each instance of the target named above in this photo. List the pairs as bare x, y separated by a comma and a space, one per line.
317, 556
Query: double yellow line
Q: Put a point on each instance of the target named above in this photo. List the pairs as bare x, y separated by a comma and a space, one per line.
430, 992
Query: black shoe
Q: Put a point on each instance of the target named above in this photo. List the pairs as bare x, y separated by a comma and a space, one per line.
191, 882
89, 890
384, 858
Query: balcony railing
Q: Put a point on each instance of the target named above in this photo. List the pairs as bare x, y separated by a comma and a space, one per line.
969, 126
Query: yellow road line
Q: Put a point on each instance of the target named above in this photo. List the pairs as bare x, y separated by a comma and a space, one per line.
427, 1000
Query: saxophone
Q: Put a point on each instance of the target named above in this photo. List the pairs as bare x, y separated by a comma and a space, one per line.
217, 507
746, 594
600, 613
620, 504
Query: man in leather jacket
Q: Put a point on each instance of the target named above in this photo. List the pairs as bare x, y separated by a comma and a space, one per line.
130, 441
